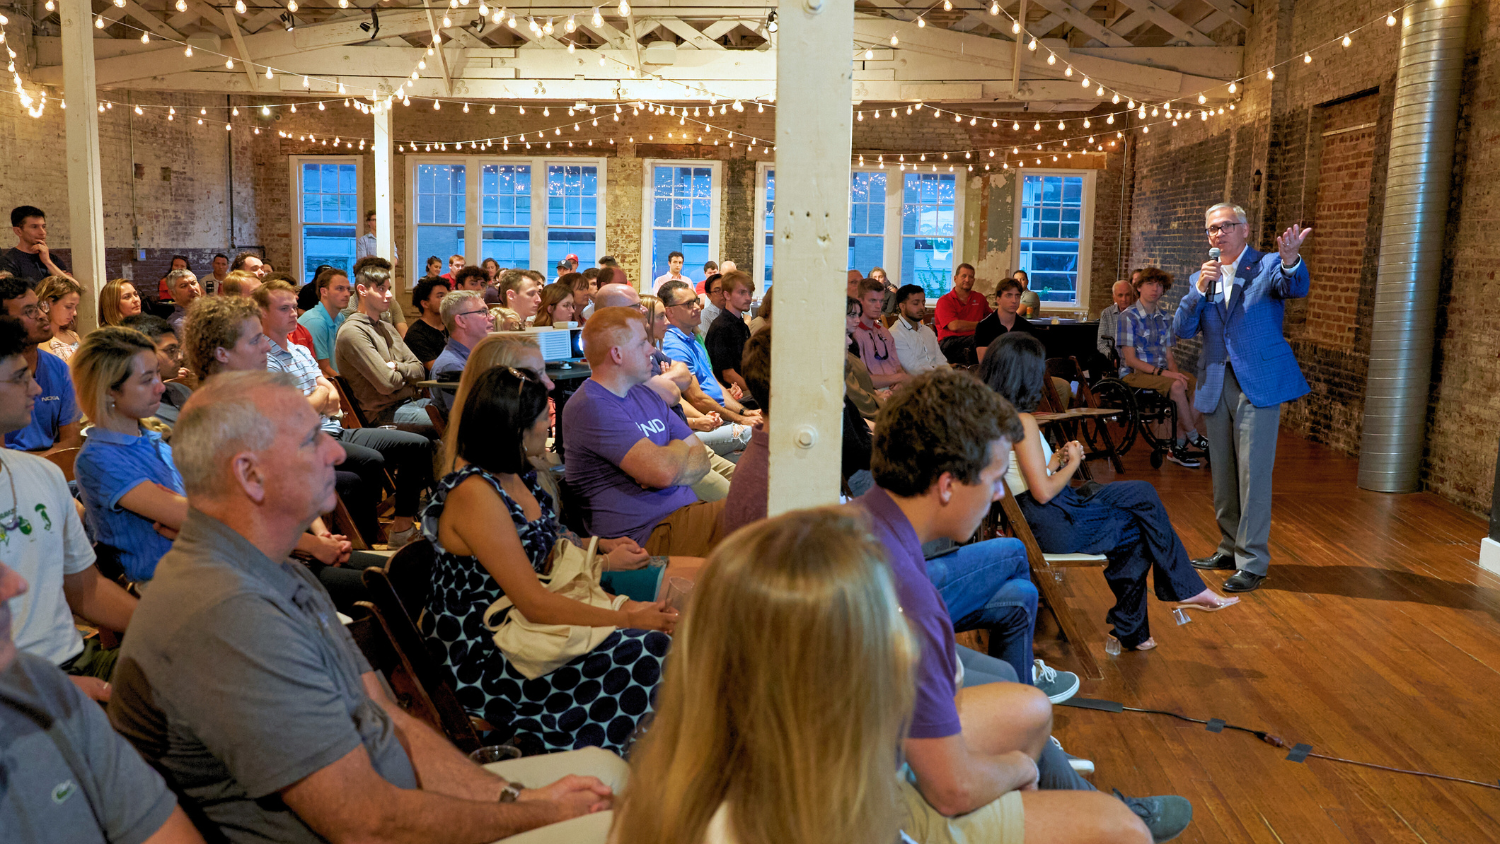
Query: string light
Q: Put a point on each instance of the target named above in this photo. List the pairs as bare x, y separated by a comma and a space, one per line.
239, 6
1348, 41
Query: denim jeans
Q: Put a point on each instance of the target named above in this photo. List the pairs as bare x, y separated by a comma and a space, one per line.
988, 585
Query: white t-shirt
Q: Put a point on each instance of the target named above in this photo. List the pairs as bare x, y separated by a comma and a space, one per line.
48, 544
1013, 477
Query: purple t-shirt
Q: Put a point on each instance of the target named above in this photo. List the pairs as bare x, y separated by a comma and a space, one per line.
935, 714
599, 428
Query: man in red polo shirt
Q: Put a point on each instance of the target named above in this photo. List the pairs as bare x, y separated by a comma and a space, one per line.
958, 312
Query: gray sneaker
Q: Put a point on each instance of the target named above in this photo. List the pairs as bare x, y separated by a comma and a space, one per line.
1058, 685
1166, 816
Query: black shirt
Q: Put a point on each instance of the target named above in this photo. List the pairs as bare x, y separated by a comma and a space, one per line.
425, 342
990, 328
725, 342
28, 266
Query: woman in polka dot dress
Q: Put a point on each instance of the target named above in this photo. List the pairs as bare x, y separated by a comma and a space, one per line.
493, 528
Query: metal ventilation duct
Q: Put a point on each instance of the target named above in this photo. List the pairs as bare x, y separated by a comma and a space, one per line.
1423, 124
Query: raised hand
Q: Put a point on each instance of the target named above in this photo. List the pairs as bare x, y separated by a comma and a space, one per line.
1290, 243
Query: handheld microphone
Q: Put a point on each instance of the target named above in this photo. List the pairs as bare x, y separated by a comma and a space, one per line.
1213, 255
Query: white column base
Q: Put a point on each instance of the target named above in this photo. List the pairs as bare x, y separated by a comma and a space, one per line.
1489, 555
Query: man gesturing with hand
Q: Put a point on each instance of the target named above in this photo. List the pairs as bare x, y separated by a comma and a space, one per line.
1245, 372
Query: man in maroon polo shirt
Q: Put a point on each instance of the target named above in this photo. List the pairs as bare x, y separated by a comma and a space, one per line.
957, 314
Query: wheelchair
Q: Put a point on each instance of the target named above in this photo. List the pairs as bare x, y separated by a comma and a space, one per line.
1144, 410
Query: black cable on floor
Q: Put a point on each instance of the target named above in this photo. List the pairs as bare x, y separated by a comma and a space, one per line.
1215, 725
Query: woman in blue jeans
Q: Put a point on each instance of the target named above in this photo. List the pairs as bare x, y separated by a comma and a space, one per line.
1124, 520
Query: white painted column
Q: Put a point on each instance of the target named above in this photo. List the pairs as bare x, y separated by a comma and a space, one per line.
814, 128
85, 185
385, 220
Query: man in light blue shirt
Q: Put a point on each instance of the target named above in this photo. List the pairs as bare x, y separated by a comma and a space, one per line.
364, 246
684, 313
324, 321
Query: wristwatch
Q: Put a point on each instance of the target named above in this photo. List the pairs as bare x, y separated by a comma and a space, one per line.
511, 792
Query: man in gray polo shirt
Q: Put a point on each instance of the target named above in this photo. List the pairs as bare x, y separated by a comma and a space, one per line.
65, 776
239, 683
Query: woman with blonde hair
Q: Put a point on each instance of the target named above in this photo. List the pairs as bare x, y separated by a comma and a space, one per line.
58, 297
557, 306
117, 300
799, 744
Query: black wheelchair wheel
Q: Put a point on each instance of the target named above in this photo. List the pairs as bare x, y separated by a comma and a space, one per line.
1112, 392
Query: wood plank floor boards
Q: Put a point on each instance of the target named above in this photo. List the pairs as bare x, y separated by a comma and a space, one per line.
1376, 638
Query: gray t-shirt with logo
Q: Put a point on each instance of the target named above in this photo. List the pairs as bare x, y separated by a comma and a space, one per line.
81, 784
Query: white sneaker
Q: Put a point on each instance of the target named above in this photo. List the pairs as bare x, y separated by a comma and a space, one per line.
1082, 767
395, 540
1059, 685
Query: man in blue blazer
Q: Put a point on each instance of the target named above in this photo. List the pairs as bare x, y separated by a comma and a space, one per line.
1245, 371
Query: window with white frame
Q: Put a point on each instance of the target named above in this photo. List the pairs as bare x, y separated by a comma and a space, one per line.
878, 201
527, 213
682, 213
1054, 234
928, 210
327, 212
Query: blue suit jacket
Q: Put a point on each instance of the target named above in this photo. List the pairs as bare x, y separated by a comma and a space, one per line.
1248, 335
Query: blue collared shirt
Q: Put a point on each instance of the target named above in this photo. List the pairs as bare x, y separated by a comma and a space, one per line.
109, 466
684, 347
455, 355
55, 407
324, 330
298, 362
1149, 334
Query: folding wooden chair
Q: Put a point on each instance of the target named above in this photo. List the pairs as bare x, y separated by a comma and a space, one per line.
344, 523
1047, 570
1086, 419
353, 416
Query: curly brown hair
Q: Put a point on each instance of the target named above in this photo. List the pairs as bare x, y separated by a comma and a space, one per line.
940, 421
213, 323
1150, 274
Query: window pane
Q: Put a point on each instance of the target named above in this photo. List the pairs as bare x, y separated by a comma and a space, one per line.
332, 245
440, 193
441, 241
1052, 213
681, 210
510, 247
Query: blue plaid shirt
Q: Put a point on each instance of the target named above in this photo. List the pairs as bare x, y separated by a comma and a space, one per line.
1150, 335
298, 362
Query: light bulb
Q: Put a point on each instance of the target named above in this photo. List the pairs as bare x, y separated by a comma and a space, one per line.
571, 24
265, 111
995, 7
894, 40
1270, 74
1307, 58
920, 22
145, 38
1068, 72
869, 54
624, 9
1099, 92
229, 63
239, 6
341, 89
1233, 87
570, 48
437, 105
947, 5
269, 73
119, 3
1085, 82
1032, 45
598, 19
1051, 58
306, 83
1390, 20
1059, 125
492, 109
1348, 40
1202, 99
138, 110
466, 108
291, 5
181, 5
601, 60
99, 22
548, 28
1016, 126
52, 7
188, 51
447, 21
1015, 28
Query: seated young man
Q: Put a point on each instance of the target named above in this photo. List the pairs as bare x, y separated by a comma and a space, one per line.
324, 321
372, 357
45, 543
684, 315
392, 315
877, 349
1004, 319
1144, 339
426, 336
468, 321
631, 460
238, 683
79, 780
370, 451
55, 423
979, 743
729, 331
521, 293
916, 345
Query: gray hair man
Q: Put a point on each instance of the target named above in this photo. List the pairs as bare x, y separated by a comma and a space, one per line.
278, 726
468, 321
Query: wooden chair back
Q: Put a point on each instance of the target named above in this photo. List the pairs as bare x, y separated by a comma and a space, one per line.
343, 523
409, 572
353, 416
64, 459
1087, 420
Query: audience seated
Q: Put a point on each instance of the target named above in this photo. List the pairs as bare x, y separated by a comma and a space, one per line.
45, 542
1144, 342
242, 282
859, 387
674, 273
129, 484
978, 742
58, 297
683, 316
220, 273
712, 299
728, 333
174, 376
278, 727
1031, 302
1123, 293
224, 332
630, 459
433, 268
78, 779
556, 306
54, 416
455, 263
1004, 319
495, 530
957, 314
30, 260
831, 669
118, 299
393, 314
678, 387
468, 321
888, 307
491, 278
762, 315
752, 473
583, 293
371, 356
185, 290
324, 321
521, 292
1124, 520
872, 341
251, 263
427, 335
369, 452
916, 345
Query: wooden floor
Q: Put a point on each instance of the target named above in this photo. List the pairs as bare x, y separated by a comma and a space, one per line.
1376, 638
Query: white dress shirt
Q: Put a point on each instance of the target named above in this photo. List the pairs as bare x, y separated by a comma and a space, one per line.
917, 347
